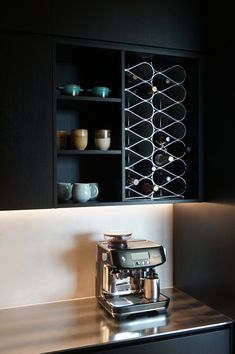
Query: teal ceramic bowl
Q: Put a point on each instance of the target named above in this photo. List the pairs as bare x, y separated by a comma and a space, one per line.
70, 89
99, 91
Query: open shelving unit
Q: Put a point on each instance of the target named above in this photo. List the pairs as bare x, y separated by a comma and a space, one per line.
152, 112
89, 67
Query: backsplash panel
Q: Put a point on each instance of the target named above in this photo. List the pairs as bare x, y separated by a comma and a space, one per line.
49, 255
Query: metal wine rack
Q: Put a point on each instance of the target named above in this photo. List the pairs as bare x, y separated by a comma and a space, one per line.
154, 124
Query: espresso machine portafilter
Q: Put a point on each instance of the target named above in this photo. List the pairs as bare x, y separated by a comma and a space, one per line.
126, 279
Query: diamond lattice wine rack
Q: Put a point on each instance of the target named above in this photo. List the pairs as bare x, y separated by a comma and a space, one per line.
157, 150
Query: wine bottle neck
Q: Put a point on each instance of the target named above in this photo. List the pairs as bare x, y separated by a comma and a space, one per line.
155, 188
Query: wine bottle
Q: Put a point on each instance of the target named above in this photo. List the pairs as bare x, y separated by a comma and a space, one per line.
176, 73
160, 139
131, 181
130, 79
143, 70
161, 158
146, 187
161, 82
145, 91
161, 177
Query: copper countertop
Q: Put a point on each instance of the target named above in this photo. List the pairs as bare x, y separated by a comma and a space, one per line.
82, 323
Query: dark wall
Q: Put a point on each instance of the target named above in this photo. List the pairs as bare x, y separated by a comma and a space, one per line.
204, 234
28, 16
204, 253
219, 122
168, 23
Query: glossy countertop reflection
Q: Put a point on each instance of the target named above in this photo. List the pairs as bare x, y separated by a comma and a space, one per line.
83, 323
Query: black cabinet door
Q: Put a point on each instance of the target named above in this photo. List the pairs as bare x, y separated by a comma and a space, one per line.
169, 24
26, 178
217, 342
27, 16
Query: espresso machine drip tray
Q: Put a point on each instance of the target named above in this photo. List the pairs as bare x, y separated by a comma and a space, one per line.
129, 305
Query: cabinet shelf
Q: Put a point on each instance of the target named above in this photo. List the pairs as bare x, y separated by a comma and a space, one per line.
88, 98
71, 203
89, 152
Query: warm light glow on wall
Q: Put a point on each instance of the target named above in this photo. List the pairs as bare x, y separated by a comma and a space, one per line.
97, 211
48, 254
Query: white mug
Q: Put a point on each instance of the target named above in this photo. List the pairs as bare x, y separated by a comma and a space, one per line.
94, 190
82, 192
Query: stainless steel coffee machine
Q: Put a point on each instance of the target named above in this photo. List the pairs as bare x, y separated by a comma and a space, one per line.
126, 279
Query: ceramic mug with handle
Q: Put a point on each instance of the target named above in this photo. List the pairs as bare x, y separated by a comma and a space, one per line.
83, 192
94, 191
64, 190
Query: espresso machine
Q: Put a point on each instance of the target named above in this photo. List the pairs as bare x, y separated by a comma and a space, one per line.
126, 279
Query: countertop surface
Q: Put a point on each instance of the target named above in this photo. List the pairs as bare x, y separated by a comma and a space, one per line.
83, 323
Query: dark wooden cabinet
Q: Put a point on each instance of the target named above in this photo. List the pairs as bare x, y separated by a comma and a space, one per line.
27, 16
203, 234
217, 342
26, 122
32, 70
31, 164
162, 24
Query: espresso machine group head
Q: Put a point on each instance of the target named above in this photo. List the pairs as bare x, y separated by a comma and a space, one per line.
126, 278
